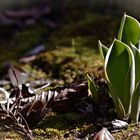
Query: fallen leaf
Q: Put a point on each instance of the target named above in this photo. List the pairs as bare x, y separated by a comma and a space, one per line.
104, 134
17, 78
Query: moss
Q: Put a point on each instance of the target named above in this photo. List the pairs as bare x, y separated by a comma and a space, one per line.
132, 133
62, 121
34, 72
4, 135
85, 129
67, 125
68, 63
48, 132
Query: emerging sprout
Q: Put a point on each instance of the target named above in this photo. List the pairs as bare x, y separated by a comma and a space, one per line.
122, 66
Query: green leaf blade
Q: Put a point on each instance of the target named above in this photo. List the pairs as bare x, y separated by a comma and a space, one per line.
136, 53
102, 50
92, 89
135, 104
119, 70
129, 30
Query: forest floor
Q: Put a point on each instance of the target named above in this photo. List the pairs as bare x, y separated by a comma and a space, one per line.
70, 52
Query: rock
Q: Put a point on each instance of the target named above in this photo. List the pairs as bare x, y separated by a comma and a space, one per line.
116, 124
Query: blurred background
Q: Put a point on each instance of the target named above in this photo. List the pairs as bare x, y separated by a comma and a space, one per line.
30, 27
131, 6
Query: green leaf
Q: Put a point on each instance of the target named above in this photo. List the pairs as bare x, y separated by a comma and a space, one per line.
92, 89
129, 30
102, 50
136, 53
117, 102
135, 104
120, 73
